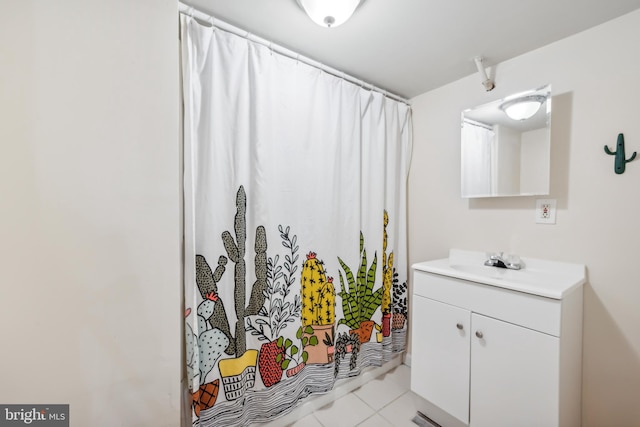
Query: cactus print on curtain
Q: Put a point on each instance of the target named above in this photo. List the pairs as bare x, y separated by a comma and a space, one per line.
295, 233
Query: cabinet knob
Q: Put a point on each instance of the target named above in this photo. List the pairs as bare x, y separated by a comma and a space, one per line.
459, 326
479, 334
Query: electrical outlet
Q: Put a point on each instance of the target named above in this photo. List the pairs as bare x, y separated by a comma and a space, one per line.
546, 211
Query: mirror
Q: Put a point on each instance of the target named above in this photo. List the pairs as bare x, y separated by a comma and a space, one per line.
506, 146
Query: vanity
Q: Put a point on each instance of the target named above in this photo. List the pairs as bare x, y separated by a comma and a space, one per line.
495, 347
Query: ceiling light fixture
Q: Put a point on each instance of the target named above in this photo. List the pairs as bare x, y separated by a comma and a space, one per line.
523, 108
329, 13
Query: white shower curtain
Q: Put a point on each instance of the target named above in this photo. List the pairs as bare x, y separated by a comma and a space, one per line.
295, 231
478, 176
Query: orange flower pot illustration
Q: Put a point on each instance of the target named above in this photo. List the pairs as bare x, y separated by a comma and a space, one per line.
364, 331
206, 396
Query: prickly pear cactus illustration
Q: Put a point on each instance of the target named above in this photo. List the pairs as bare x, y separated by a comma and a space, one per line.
211, 341
236, 252
387, 270
190, 340
207, 283
318, 293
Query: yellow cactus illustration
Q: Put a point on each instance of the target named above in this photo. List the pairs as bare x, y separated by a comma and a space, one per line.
318, 293
387, 270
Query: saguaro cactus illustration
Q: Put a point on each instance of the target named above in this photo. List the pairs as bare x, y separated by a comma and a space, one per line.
387, 270
318, 293
620, 160
236, 252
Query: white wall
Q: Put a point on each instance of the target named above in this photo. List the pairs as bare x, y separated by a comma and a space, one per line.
595, 96
89, 213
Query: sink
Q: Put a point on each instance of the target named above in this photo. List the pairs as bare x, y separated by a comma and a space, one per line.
545, 278
480, 270
526, 275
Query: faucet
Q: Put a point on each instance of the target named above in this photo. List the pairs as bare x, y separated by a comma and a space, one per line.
511, 262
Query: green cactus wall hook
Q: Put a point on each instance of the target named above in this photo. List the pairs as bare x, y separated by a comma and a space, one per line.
620, 160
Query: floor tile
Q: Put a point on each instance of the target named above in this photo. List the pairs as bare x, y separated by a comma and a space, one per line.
401, 411
308, 421
380, 391
348, 411
375, 421
400, 375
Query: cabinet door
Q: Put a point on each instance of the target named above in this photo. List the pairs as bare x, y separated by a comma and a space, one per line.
514, 375
440, 355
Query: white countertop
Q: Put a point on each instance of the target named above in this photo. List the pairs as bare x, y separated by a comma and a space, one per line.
550, 279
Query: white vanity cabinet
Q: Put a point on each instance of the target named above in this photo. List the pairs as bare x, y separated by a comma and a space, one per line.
440, 355
496, 357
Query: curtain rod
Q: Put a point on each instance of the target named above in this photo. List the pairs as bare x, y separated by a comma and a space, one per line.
217, 23
478, 124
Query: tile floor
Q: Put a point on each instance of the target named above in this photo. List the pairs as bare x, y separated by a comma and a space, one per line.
382, 402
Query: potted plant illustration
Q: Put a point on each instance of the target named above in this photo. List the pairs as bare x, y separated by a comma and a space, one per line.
210, 345
318, 309
346, 344
387, 282
278, 309
269, 368
359, 301
292, 352
238, 374
399, 303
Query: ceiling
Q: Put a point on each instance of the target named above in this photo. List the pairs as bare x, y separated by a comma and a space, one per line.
409, 47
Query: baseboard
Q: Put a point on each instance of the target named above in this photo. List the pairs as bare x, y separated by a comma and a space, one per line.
407, 359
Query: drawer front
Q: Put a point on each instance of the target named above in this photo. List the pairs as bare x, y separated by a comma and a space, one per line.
531, 311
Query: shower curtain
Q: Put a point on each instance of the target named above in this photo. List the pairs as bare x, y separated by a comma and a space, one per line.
478, 176
295, 228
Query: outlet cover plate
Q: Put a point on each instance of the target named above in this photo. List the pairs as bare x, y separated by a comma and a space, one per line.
546, 211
